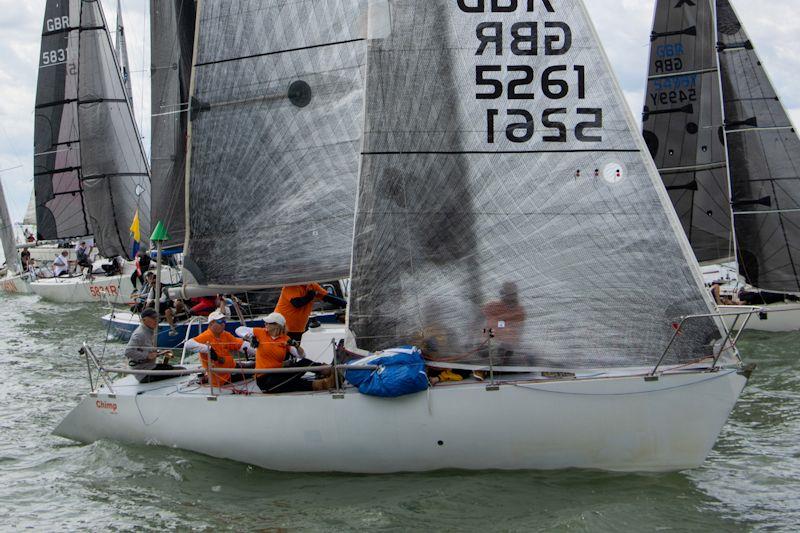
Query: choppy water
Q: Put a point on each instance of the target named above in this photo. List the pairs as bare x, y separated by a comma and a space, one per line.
750, 482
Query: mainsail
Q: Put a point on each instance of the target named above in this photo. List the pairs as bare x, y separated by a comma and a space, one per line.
114, 169
764, 153
122, 54
683, 124
60, 209
504, 188
171, 44
275, 133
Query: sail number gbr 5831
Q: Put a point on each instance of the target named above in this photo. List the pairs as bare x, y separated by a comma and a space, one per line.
522, 83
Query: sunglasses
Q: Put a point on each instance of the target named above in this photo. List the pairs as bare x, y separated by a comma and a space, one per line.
219, 321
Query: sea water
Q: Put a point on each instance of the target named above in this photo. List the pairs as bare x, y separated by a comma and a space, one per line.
751, 481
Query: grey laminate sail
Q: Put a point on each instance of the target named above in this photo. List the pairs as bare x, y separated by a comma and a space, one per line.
122, 54
115, 175
7, 234
60, 210
275, 136
171, 44
504, 186
683, 123
764, 152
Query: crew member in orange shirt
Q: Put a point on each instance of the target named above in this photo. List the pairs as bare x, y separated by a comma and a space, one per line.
275, 349
218, 345
297, 302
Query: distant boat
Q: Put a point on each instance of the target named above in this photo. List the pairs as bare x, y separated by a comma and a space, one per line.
507, 220
91, 176
727, 153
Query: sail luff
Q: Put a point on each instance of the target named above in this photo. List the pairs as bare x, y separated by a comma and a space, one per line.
475, 171
7, 234
122, 54
764, 150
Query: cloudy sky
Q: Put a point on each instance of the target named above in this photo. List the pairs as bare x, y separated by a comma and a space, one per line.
624, 26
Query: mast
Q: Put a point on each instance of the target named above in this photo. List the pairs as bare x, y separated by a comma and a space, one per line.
7, 234
122, 54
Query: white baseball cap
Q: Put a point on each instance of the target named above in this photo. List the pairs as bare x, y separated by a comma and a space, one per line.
216, 315
275, 318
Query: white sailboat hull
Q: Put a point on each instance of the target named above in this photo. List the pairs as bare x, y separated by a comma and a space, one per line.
614, 423
15, 284
117, 289
778, 318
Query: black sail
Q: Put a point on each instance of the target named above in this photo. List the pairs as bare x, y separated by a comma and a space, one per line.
171, 44
504, 187
764, 152
60, 209
115, 174
683, 124
275, 133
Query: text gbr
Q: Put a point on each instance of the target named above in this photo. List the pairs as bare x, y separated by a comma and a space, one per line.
527, 39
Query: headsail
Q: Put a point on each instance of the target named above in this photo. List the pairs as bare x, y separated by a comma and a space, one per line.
60, 210
504, 186
30, 213
683, 124
122, 54
171, 44
115, 174
764, 152
7, 234
275, 136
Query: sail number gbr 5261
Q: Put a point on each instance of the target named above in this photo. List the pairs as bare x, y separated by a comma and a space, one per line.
523, 83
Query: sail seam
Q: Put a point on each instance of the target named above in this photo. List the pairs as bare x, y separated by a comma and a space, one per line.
769, 212
115, 175
490, 152
56, 171
685, 73
707, 166
774, 128
265, 54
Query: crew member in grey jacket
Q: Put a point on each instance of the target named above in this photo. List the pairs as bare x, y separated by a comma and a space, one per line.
141, 353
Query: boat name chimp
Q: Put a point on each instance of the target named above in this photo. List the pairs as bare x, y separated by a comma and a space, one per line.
106, 405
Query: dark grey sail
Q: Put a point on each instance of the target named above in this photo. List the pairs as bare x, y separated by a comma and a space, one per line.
60, 209
115, 175
764, 153
683, 124
504, 188
122, 54
275, 133
171, 44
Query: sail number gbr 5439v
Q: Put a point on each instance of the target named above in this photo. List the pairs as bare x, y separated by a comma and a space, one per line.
522, 82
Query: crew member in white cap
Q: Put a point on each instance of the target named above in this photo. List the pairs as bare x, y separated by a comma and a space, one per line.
220, 346
274, 349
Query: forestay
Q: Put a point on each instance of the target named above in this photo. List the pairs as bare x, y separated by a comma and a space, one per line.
504, 186
171, 44
683, 124
764, 152
115, 174
60, 211
275, 137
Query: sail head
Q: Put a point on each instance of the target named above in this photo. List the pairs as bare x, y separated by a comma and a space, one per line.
275, 135
507, 210
764, 153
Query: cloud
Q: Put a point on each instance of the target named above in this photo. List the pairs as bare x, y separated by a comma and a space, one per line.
623, 25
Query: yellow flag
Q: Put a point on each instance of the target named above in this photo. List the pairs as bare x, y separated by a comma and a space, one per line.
137, 234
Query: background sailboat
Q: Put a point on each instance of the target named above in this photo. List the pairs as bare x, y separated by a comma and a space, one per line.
726, 150
91, 175
557, 186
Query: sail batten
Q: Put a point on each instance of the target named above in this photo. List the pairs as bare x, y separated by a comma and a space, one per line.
507, 212
276, 124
